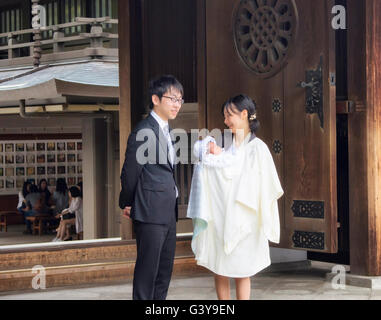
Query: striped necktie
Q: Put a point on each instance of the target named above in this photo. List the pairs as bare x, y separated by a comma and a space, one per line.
169, 142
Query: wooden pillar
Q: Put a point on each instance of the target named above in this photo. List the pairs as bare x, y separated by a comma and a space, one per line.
201, 63
364, 87
36, 35
373, 103
125, 94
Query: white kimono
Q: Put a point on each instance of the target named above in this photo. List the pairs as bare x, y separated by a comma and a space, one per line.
233, 204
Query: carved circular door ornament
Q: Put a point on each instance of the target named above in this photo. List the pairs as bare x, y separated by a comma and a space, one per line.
264, 34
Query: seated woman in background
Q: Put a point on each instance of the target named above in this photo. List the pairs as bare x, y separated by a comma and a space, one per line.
34, 206
22, 194
79, 185
44, 190
70, 216
60, 197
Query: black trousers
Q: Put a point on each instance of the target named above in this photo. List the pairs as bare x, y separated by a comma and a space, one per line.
156, 246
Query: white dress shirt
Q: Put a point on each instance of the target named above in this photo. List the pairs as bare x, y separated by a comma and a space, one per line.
162, 125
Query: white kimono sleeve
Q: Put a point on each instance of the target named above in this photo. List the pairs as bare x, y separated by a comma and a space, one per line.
199, 202
260, 188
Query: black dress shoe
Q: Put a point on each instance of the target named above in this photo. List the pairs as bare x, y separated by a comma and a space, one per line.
68, 239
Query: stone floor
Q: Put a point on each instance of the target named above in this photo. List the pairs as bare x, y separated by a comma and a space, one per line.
15, 235
308, 284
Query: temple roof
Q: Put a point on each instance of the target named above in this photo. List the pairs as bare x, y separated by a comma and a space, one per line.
76, 81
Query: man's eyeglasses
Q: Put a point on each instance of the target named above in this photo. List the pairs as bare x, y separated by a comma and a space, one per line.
174, 100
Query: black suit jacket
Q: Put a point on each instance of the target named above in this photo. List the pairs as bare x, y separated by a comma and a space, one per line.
149, 188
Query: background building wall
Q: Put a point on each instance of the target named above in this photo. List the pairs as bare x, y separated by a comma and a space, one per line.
101, 212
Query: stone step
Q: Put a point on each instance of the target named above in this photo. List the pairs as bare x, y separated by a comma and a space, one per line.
78, 263
57, 254
80, 274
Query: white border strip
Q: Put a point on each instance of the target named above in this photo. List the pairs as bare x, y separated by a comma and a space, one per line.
55, 244
41, 245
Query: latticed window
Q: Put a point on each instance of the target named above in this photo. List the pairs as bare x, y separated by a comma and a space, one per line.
57, 12
105, 8
65, 11
17, 16
10, 20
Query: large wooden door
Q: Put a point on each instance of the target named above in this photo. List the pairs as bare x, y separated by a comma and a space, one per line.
282, 54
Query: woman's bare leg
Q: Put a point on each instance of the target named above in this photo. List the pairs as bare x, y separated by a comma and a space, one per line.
222, 287
66, 227
243, 288
59, 231
62, 230
58, 217
67, 231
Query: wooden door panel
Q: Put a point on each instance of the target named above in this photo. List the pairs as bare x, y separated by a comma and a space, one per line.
227, 76
303, 145
310, 139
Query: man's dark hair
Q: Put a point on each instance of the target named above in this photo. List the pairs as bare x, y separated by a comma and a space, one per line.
160, 85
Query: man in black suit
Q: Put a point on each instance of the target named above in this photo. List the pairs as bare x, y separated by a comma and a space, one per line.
149, 192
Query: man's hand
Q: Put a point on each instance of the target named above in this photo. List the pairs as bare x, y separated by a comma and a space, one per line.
214, 149
127, 211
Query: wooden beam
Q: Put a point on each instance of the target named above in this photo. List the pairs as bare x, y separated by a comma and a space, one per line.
71, 108
346, 107
364, 84
373, 102
125, 94
201, 63
358, 191
58, 56
79, 21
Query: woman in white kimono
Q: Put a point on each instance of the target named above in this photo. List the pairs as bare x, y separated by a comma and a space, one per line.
233, 202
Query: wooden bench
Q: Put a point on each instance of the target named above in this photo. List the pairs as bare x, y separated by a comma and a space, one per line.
38, 222
3, 218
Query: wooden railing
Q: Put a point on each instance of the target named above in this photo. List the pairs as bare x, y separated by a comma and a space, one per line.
96, 36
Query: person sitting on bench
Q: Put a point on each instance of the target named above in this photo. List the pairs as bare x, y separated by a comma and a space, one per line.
22, 194
70, 216
34, 206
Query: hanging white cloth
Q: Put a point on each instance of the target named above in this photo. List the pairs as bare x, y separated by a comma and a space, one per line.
233, 204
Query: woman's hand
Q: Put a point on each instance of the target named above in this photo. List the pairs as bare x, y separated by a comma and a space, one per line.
214, 149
